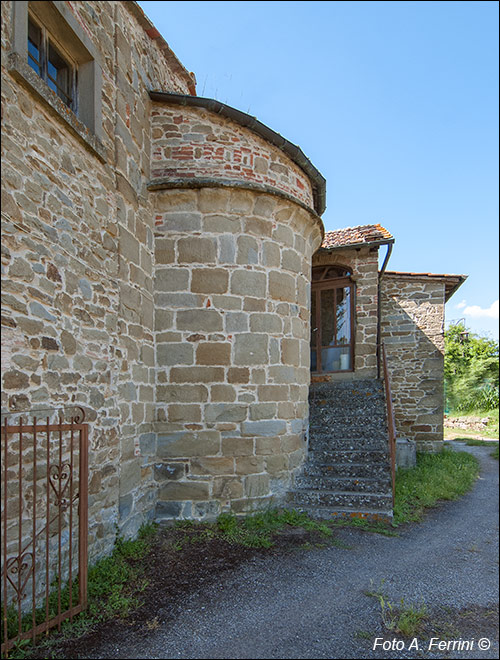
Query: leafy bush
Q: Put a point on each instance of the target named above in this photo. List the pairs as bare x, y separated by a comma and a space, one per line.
470, 371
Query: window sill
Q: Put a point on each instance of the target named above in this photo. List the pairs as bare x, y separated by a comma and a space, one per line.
25, 74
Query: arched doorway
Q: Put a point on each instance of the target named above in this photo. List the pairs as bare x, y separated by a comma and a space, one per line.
332, 320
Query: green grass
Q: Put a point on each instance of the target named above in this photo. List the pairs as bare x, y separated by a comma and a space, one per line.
113, 583
494, 453
444, 476
253, 531
476, 442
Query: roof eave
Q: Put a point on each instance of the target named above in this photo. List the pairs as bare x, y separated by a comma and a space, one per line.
357, 246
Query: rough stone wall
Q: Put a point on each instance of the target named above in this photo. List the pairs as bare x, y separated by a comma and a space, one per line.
363, 263
413, 334
232, 341
77, 262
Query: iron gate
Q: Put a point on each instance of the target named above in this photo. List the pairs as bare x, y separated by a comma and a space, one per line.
44, 522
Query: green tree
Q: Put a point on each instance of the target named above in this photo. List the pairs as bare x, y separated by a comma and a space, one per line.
470, 370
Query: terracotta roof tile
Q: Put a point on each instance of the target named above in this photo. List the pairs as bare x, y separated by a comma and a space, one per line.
361, 235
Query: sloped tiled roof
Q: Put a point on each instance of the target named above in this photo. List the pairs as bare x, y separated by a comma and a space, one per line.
362, 235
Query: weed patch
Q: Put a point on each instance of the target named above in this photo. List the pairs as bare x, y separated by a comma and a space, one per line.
259, 530
444, 476
403, 619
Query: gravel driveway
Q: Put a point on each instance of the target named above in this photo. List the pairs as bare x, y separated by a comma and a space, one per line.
313, 604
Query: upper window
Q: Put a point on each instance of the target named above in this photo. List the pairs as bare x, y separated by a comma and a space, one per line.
55, 58
51, 63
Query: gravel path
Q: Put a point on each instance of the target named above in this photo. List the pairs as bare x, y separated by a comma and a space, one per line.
313, 604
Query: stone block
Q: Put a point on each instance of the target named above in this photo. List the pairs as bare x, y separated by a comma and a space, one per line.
247, 251
209, 280
258, 226
130, 476
199, 320
249, 464
248, 283
213, 200
171, 279
164, 251
291, 260
290, 351
268, 323
213, 353
236, 322
181, 393
184, 490
169, 510
227, 249
237, 446
282, 286
273, 393
264, 205
15, 380
276, 464
267, 428
267, 446
238, 375
184, 412
225, 412
220, 393
125, 504
197, 249
197, 375
406, 453
257, 485
219, 224
182, 444
218, 465
271, 255
169, 471
182, 221
250, 349
227, 488
173, 354
254, 304
163, 320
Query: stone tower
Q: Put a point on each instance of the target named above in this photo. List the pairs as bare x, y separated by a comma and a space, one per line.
236, 224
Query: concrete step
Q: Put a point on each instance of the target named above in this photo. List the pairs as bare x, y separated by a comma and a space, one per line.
320, 481
353, 470
319, 513
375, 428
326, 442
333, 456
330, 499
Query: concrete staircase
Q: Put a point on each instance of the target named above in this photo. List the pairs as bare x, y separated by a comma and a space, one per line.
347, 472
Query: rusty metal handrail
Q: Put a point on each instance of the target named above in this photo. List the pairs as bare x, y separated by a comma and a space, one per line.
391, 424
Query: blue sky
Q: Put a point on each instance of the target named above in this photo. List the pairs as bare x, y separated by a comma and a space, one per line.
396, 103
